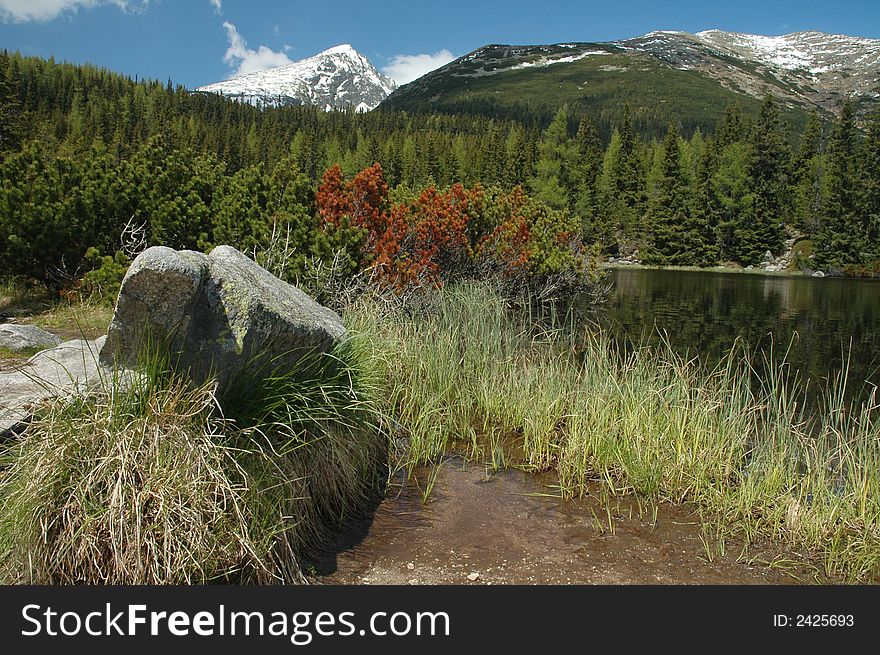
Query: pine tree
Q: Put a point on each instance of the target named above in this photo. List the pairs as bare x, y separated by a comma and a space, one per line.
871, 182
674, 238
588, 169
622, 186
706, 205
731, 129
556, 156
762, 228
729, 198
843, 236
11, 118
241, 217
492, 155
516, 169
808, 174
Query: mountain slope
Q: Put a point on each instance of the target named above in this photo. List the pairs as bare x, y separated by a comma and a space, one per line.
337, 78
660, 75
806, 68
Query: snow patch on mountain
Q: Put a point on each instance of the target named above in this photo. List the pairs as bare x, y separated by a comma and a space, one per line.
811, 69
814, 52
547, 61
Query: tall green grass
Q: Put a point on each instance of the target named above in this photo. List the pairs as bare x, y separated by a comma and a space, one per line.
154, 479
472, 376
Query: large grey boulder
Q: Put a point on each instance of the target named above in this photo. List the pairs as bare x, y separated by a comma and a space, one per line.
61, 372
219, 313
19, 338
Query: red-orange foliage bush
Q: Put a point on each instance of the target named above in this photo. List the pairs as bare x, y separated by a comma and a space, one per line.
362, 204
438, 245
441, 234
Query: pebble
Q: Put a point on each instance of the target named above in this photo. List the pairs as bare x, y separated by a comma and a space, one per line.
473, 577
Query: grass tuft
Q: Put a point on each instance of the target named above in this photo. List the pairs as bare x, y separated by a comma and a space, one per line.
152, 480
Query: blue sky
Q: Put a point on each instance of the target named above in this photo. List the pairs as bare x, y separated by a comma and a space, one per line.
195, 42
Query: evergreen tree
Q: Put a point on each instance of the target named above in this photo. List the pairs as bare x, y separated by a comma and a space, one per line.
763, 223
83, 151
517, 165
731, 129
729, 199
42, 235
843, 235
622, 186
492, 155
175, 190
268, 215
11, 120
556, 156
674, 237
809, 173
588, 168
706, 205
871, 182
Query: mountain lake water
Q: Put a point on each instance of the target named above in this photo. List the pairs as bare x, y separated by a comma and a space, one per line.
506, 527
817, 324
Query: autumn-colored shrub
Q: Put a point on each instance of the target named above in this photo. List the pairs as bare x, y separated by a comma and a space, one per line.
438, 235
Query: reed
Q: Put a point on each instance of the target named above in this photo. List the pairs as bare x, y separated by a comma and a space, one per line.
472, 376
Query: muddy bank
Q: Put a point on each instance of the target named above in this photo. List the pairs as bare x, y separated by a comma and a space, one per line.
507, 528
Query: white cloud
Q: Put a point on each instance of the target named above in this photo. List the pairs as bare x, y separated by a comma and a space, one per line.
218, 5
406, 68
244, 60
23, 11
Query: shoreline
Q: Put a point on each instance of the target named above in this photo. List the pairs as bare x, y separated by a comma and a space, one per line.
716, 269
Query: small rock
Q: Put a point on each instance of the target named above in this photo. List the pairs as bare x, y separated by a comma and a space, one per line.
473, 577
818, 274
19, 338
410, 566
61, 372
413, 581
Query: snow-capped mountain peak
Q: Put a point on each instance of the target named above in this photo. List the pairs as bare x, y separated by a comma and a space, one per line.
337, 78
341, 49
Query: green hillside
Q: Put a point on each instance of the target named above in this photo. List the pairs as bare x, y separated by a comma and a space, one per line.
486, 83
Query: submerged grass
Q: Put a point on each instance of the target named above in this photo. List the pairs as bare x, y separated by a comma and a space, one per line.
154, 479
471, 376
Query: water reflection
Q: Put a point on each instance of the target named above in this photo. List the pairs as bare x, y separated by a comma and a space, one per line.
702, 313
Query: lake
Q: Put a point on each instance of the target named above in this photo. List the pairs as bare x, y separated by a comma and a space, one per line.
823, 320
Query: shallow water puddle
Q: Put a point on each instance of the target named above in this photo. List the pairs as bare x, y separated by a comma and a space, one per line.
506, 528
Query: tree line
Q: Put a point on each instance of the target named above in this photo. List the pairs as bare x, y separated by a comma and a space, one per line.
86, 155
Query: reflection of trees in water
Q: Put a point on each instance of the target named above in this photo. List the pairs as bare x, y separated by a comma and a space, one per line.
703, 313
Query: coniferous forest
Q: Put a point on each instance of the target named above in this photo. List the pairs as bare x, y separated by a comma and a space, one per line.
90, 160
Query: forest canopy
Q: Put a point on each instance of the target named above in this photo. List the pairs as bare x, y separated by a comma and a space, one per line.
90, 159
